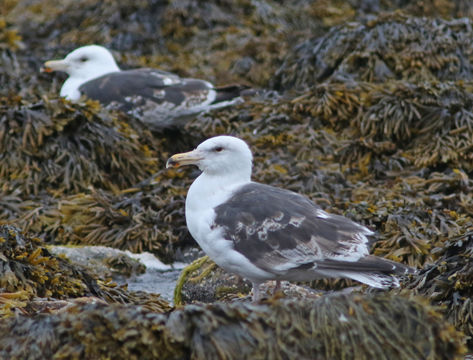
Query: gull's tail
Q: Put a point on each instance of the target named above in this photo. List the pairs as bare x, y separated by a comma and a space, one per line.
371, 270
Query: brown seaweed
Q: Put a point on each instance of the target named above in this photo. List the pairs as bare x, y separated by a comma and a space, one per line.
341, 327
203, 281
379, 128
9, 38
136, 219
394, 46
58, 147
449, 281
30, 271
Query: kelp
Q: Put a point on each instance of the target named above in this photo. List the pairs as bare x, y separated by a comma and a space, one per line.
449, 281
342, 327
12, 204
59, 147
30, 271
26, 266
148, 217
247, 38
389, 47
396, 124
436, 8
9, 38
104, 23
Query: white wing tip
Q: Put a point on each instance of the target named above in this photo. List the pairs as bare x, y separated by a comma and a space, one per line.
379, 281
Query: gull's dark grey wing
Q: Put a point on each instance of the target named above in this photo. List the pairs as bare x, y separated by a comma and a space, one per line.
282, 232
147, 88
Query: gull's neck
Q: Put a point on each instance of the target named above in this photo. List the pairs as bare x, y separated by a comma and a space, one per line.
205, 193
210, 190
70, 88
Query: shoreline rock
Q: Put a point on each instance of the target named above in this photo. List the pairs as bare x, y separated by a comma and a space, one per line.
333, 327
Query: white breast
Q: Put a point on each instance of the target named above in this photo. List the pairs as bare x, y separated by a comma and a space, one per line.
205, 193
70, 89
203, 196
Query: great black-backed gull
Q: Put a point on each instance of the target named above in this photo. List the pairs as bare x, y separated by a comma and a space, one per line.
159, 98
266, 233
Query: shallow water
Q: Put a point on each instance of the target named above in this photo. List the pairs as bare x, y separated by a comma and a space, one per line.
153, 281
159, 278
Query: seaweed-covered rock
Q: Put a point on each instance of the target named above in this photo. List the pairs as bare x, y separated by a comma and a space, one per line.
148, 217
235, 41
203, 281
9, 38
428, 122
29, 270
58, 147
381, 132
390, 47
128, 25
348, 327
54, 148
388, 127
103, 261
27, 266
221, 41
435, 8
449, 281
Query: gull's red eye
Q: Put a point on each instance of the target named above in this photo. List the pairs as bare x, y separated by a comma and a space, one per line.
218, 149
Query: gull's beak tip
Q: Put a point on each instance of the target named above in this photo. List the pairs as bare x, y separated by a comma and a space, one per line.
171, 163
54, 65
188, 158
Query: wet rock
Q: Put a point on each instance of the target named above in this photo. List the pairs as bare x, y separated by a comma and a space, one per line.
138, 272
102, 260
203, 281
349, 327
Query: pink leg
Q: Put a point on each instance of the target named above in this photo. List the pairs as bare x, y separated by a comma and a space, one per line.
256, 292
277, 287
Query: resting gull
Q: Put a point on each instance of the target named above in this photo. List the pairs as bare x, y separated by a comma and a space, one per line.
264, 233
156, 97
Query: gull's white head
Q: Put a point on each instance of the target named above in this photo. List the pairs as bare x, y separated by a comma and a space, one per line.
82, 64
220, 156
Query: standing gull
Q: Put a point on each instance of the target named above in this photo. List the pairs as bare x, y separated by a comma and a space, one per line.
160, 99
264, 233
